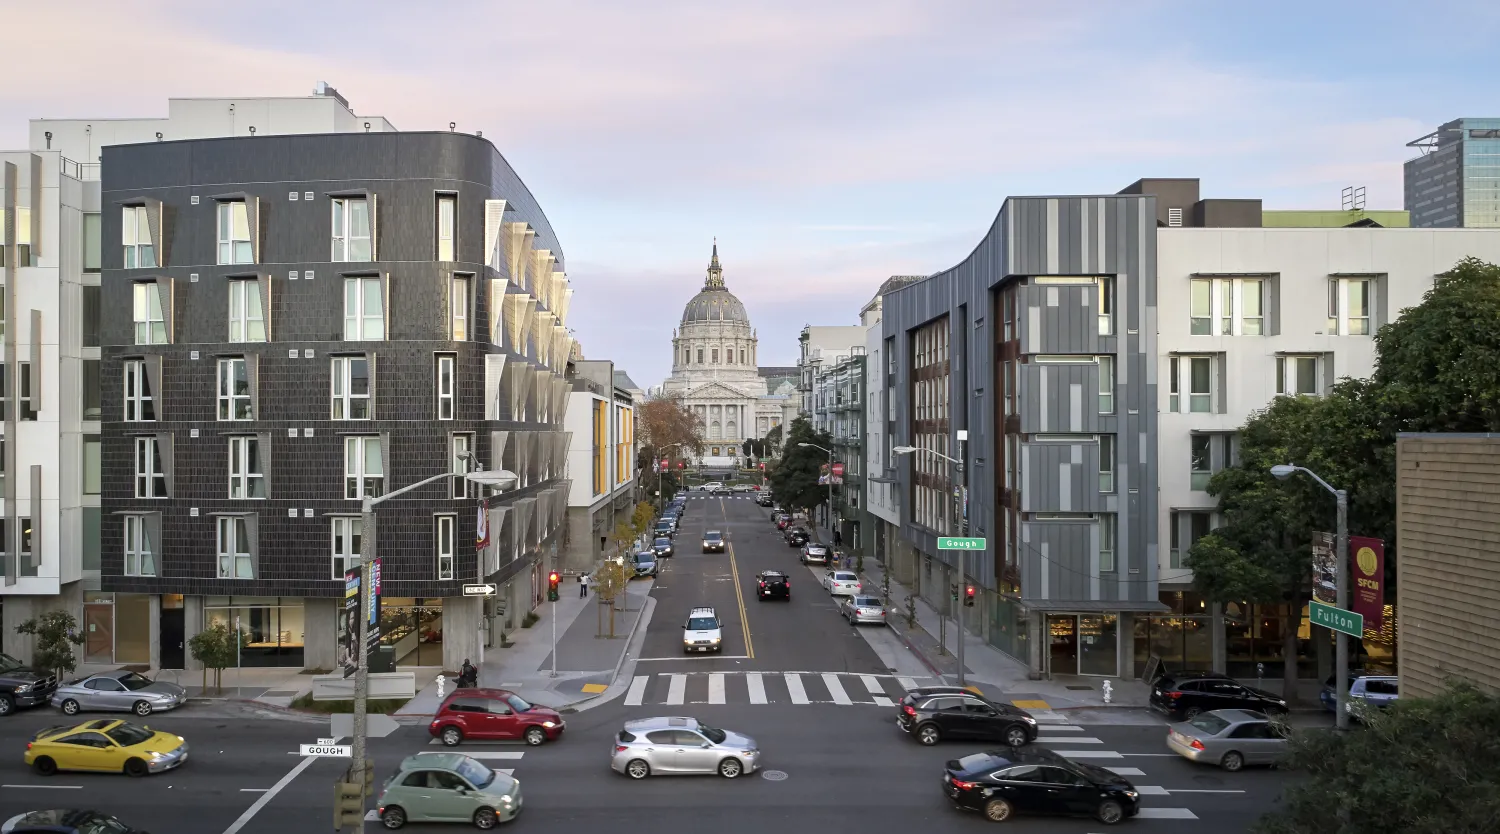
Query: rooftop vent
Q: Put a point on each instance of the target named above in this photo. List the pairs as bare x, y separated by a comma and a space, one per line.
1174, 217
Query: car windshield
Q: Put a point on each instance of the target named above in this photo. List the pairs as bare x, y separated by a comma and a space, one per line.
702, 624
518, 703
844, 577
1209, 723
134, 681
714, 735
128, 735
663, 541
645, 558
10, 664
477, 774
713, 535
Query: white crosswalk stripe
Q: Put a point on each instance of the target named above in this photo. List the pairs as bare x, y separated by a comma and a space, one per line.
794, 688
637, 691
1126, 771
836, 689
677, 690
801, 688
756, 687
716, 688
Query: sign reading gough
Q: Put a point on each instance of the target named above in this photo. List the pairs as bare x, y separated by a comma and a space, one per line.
1367, 590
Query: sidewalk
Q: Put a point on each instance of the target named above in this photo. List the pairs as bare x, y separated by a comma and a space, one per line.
275, 686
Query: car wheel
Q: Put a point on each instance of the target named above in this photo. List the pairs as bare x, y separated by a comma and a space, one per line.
731, 768
44, 765
70, 707
1190, 713
141, 708
1017, 737
6, 705
452, 736
637, 769
997, 810
136, 768
1232, 761
929, 734
485, 819
394, 817
1110, 812
536, 736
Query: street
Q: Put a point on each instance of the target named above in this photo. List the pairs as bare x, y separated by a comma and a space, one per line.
813, 692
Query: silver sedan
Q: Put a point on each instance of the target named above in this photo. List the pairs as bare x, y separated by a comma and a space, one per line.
663, 746
1230, 738
121, 690
860, 609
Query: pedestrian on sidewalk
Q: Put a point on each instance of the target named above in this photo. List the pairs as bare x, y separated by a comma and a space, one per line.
583, 585
838, 539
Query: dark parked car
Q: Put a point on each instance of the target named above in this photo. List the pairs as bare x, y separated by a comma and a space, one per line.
1186, 695
494, 715
662, 546
662, 528
1003, 783
797, 536
23, 686
932, 718
71, 821
774, 583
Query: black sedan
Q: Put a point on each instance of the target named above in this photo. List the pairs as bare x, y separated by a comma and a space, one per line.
1003, 783
67, 822
1183, 696
797, 536
662, 547
934, 717
774, 583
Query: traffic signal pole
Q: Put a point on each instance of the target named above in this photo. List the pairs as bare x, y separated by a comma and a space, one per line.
963, 555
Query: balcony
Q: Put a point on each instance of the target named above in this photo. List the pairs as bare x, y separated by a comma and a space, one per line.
82, 171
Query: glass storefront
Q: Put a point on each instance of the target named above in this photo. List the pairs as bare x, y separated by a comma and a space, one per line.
275, 627
1255, 635
414, 627
1010, 628
1098, 644
1183, 638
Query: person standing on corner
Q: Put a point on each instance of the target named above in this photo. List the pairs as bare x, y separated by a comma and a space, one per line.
583, 585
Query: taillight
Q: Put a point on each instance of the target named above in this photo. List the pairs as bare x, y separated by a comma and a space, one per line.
28, 745
620, 748
1174, 695
1196, 745
909, 709
964, 786
763, 584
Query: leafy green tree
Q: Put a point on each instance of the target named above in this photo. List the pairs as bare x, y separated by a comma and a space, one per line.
1422, 766
214, 647
795, 478
56, 634
773, 440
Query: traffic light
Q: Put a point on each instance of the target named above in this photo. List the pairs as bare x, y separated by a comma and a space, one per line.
969, 597
349, 806
552, 580
953, 591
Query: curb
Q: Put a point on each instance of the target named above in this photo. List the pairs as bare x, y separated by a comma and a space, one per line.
906, 642
647, 610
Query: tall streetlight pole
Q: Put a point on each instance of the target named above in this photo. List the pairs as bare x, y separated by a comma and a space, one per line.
830, 486
1341, 579
963, 555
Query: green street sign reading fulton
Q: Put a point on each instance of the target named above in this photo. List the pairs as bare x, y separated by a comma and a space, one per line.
955, 543
1337, 619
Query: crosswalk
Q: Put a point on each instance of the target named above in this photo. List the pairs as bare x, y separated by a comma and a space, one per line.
744, 496
1073, 742
839, 688
488, 753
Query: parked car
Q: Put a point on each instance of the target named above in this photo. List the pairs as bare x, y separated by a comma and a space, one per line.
744, 488
814, 553
657, 746
859, 609
671, 518
764, 499
1229, 738
1185, 695
1004, 783
1378, 691
774, 583
447, 787
23, 686
645, 563
662, 528
842, 583
105, 746
932, 718
662, 545
797, 536
720, 490
68, 821
783, 521
494, 715
701, 632
713, 541
118, 689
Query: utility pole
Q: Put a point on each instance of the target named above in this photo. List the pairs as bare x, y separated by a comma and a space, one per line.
963, 555
1341, 640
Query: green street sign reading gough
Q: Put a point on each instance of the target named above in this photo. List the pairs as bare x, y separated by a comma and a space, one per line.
1338, 619
955, 543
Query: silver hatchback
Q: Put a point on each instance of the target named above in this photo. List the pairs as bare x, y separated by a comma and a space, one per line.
652, 746
859, 609
1230, 738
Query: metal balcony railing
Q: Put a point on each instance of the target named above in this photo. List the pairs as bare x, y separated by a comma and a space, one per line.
85, 171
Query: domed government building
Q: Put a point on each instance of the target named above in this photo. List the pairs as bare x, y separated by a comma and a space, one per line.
715, 373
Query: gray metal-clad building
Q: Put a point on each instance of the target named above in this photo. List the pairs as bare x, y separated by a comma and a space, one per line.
1040, 345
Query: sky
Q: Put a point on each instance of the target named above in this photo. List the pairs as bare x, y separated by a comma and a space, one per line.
827, 144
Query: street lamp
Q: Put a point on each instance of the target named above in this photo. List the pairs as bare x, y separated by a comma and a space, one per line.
963, 555
1281, 472
830, 484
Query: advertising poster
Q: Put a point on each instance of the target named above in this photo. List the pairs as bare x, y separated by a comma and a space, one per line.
1324, 569
1367, 572
482, 526
348, 636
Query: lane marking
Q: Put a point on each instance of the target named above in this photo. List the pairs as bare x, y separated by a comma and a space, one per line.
794, 687
1025, 704
1155, 755
492, 755
253, 790
757, 686
1151, 790
265, 798
1070, 740
637, 691
872, 684
1165, 814
1198, 790
47, 787
1126, 771
696, 657
716, 688
907, 683
676, 689
1060, 728
739, 595
882, 701
1089, 754
836, 689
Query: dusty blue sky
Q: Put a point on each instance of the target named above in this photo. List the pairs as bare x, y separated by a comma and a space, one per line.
827, 143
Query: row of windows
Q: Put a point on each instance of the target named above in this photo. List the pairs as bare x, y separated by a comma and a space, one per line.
1194, 383
1237, 307
713, 356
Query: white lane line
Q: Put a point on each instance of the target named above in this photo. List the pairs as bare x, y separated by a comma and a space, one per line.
1088, 754
1165, 814
872, 684
757, 686
882, 701
493, 754
1151, 790
1070, 740
253, 790
637, 692
47, 787
907, 683
676, 689
716, 688
794, 688
266, 797
1155, 755
1126, 771
836, 689
1060, 728
1199, 790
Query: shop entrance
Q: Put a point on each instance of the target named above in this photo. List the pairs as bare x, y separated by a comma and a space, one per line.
413, 626
99, 631
1084, 644
1062, 630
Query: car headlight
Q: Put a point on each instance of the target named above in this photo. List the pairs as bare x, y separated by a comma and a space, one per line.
153, 755
1028, 719
1131, 794
504, 800
549, 724
716, 639
25, 687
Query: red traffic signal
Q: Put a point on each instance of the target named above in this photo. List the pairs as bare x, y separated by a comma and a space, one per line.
553, 578
969, 596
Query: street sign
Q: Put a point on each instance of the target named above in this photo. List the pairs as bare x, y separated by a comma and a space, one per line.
478, 590
956, 543
327, 750
838, 469
1327, 616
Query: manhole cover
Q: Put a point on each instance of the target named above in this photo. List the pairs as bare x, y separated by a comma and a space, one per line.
773, 775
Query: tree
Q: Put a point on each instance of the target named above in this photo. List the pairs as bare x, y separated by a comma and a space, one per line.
756, 448
215, 647
641, 519
666, 422
795, 478
1421, 766
773, 440
56, 634
610, 581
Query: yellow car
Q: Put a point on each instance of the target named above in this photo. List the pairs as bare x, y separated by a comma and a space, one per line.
106, 746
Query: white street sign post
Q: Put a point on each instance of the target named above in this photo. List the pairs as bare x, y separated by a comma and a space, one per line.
479, 590
336, 751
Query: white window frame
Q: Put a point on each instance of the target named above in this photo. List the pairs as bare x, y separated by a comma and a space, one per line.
232, 561
1218, 306
458, 321
1200, 461
343, 398
247, 320
1176, 519
1106, 384
459, 444
358, 480
360, 324
348, 526
246, 482
446, 385
150, 320
138, 394
230, 401
1290, 370
135, 236
140, 556
1106, 305
1195, 397
445, 530
445, 220
1108, 542
349, 247
150, 477
1106, 463
1341, 321
234, 233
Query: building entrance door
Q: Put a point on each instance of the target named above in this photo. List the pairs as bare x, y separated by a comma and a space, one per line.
1062, 631
172, 638
99, 632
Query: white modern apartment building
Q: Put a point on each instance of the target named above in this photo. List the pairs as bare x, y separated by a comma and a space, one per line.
602, 461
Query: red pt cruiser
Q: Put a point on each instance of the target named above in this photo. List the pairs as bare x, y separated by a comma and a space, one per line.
494, 715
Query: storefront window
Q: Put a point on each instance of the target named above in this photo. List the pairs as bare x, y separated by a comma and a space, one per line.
414, 627
1254, 636
274, 627
1182, 639
1098, 644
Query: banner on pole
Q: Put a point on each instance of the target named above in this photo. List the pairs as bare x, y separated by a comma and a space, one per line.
1367, 591
1324, 569
482, 526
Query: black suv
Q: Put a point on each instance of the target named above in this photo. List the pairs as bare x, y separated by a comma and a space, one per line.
774, 583
22, 686
1003, 783
934, 717
1184, 695
797, 536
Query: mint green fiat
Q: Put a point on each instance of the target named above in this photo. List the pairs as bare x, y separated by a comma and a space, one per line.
448, 787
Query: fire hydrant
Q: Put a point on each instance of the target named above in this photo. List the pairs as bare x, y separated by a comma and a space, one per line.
1108, 691
442, 681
